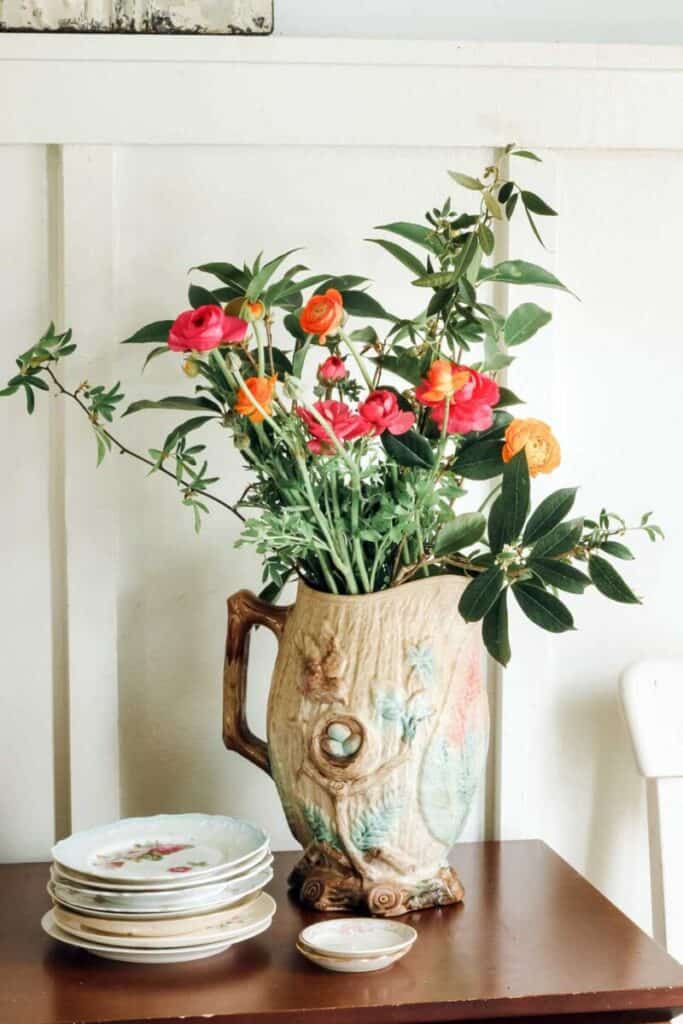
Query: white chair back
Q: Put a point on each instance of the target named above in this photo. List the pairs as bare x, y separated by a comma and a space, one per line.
652, 696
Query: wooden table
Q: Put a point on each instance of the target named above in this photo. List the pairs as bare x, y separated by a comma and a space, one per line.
533, 941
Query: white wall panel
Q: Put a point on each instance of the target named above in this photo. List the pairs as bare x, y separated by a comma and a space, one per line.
26, 633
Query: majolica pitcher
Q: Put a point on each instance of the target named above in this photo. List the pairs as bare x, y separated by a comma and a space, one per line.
377, 737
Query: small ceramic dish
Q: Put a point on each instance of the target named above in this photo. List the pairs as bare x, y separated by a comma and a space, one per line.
351, 965
143, 956
100, 901
235, 927
154, 849
172, 883
353, 937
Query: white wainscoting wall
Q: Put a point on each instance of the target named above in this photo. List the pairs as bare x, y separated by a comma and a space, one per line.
125, 161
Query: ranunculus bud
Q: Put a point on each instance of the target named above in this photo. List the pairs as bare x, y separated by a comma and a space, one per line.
241, 441
332, 370
191, 367
254, 311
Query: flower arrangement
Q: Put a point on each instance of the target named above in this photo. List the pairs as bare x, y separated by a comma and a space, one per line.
359, 477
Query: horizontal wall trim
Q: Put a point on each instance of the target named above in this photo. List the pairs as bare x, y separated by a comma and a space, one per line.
116, 90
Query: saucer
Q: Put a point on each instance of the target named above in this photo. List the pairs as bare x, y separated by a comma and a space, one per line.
357, 937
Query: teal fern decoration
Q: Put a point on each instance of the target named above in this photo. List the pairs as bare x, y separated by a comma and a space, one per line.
320, 826
373, 825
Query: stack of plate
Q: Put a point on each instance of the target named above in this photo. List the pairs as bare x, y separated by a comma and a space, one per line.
164, 889
356, 944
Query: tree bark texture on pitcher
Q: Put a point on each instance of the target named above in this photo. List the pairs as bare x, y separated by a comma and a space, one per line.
377, 737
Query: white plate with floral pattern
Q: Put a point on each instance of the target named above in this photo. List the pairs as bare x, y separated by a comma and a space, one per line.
357, 937
234, 925
162, 904
162, 847
179, 882
351, 965
143, 956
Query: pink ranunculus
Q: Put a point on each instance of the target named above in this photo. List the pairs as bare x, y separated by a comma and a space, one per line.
202, 329
344, 424
381, 410
471, 407
332, 370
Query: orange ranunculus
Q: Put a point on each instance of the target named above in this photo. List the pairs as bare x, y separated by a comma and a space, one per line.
322, 314
442, 381
537, 439
261, 389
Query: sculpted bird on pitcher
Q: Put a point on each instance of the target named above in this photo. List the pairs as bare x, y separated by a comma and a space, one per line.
377, 738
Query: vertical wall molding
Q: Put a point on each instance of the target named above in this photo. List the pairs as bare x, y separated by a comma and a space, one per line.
91, 502
57, 513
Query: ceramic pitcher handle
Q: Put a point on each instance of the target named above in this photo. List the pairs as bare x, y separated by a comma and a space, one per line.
244, 611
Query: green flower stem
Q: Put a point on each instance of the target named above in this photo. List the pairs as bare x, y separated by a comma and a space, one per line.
359, 361
260, 348
355, 533
339, 563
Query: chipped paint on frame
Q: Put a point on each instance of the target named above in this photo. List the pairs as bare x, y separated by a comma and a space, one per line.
206, 17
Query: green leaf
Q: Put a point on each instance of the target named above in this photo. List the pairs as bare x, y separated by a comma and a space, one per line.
616, 550
343, 283
555, 573
183, 430
558, 541
508, 397
524, 322
495, 528
228, 273
544, 609
405, 365
515, 495
511, 204
495, 630
173, 402
261, 279
487, 239
521, 272
608, 581
409, 449
479, 461
299, 358
362, 304
442, 279
417, 233
466, 181
527, 154
402, 255
292, 324
537, 205
157, 331
493, 206
199, 296
479, 595
462, 531
549, 513
160, 350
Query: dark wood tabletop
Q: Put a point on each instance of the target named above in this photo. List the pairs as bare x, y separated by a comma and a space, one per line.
533, 940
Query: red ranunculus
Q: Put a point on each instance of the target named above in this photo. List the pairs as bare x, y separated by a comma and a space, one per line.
471, 397
205, 328
380, 409
344, 424
332, 370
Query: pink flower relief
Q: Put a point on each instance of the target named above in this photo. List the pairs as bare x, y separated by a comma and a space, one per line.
381, 411
332, 370
199, 330
180, 870
344, 424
